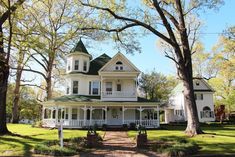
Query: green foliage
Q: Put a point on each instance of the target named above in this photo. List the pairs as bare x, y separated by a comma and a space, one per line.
224, 62
53, 150
71, 147
27, 137
216, 135
28, 106
175, 146
156, 86
132, 126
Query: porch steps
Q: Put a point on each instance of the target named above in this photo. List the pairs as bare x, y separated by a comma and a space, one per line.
114, 128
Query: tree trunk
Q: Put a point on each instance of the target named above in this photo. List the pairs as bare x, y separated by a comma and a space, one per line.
193, 125
4, 74
15, 108
49, 79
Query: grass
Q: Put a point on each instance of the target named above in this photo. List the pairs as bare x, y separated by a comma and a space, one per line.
29, 137
217, 140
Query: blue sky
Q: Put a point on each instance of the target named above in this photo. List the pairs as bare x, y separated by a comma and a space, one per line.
215, 21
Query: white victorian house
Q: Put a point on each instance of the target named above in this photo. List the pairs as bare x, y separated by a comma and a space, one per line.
100, 91
203, 93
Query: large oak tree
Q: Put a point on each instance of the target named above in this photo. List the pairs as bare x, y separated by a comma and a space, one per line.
4, 63
169, 20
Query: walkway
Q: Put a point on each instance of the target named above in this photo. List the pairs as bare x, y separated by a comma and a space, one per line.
117, 144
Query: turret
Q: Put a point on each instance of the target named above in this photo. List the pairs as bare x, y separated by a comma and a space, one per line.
78, 60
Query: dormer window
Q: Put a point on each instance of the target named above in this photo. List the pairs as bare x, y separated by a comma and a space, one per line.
197, 83
76, 65
119, 66
84, 65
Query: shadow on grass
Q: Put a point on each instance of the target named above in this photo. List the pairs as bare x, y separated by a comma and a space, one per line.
22, 140
217, 148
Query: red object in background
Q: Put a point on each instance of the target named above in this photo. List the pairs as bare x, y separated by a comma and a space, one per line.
220, 113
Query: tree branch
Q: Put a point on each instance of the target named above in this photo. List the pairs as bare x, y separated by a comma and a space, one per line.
6, 14
34, 85
31, 70
44, 67
148, 27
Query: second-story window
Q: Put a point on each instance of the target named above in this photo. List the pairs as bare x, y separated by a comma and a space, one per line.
198, 96
84, 65
75, 87
109, 86
76, 65
95, 88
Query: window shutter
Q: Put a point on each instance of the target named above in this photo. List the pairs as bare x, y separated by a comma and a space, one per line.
201, 96
89, 87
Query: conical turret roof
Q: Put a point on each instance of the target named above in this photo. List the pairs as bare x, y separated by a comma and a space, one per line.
80, 47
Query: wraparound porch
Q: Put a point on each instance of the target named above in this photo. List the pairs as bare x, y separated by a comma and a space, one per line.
83, 116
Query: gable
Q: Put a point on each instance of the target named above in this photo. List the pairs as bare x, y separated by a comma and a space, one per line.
119, 60
201, 85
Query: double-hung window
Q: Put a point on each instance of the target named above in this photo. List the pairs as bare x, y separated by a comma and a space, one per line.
94, 87
84, 65
76, 65
75, 87
109, 86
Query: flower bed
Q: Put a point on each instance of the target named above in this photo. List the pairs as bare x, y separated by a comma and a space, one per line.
175, 147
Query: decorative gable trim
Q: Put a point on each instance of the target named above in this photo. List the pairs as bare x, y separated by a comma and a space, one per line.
124, 58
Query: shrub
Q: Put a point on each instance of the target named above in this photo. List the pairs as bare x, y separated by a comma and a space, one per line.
104, 127
125, 127
37, 124
132, 126
54, 150
71, 146
176, 147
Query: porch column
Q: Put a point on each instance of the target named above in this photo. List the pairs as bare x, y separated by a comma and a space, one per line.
101, 88
84, 116
91, 115
123, 114
140, 115
78, 113
69, 113
56, 116
106, 114
158, 117
43, 112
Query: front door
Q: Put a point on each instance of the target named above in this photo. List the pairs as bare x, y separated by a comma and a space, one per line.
114, 116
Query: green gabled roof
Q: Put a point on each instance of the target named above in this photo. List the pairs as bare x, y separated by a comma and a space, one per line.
95, 65
89, 98
80, 47
76, 98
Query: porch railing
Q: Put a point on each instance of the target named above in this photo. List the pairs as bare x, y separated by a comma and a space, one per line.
49, 122
145, 123
73, 123
118, 94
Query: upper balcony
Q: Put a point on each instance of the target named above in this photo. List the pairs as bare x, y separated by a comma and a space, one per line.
119, 89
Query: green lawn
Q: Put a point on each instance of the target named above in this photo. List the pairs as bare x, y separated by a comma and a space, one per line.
29, 136
217, 140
